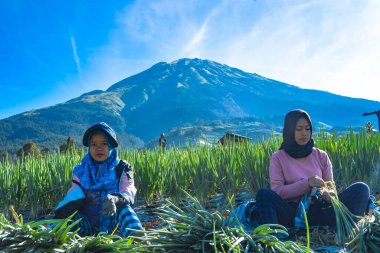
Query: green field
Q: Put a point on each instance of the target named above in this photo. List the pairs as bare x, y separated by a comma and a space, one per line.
39, 183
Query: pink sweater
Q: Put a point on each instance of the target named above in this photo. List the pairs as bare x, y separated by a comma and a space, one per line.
289, 177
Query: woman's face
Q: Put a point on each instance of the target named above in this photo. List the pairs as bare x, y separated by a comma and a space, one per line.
302, 133
99, 148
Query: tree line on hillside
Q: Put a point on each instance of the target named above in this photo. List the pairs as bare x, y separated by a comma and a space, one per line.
31, 149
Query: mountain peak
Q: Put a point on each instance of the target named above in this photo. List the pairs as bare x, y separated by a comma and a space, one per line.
193, 62
186, 69
185, 92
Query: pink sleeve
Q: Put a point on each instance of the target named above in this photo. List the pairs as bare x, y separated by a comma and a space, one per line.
277, 182
327, 173
127, 187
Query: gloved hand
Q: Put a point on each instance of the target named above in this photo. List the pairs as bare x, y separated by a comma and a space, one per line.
109, 205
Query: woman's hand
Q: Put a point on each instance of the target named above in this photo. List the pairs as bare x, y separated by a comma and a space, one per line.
109, 205
327, 193
316, 181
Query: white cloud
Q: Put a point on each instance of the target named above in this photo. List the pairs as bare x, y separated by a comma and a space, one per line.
75, 54
333, 46
327, 46
192, 48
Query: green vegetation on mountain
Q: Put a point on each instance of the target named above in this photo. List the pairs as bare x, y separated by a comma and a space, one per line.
173, 97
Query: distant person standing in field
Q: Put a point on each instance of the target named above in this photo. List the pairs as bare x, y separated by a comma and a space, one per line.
377, 113
297, 168
162, 141
102, 189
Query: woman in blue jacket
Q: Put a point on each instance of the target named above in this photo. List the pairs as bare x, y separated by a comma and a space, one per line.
102, 190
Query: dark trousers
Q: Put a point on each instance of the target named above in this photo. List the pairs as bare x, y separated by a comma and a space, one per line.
272, 209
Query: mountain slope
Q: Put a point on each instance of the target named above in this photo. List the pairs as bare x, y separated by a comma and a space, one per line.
188, 90
181, 93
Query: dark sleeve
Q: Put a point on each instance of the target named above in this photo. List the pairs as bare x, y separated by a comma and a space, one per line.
73, 201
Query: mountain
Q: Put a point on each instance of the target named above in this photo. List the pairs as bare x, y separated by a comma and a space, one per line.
184, 94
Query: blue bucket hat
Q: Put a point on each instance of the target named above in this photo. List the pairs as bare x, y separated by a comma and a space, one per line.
104, 128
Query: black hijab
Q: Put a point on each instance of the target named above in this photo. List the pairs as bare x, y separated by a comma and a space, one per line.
289, 144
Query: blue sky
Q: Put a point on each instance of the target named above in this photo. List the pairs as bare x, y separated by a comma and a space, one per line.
52, 51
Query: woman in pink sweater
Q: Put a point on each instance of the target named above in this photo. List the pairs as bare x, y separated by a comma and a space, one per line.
294, 170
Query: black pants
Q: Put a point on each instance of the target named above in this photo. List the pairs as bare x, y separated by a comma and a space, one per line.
272, 209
